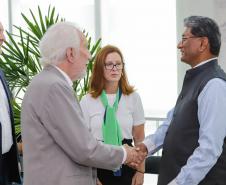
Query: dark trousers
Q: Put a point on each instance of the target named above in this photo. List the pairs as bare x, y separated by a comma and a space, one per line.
107, 177
4, 170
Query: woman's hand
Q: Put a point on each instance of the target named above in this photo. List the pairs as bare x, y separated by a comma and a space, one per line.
138, 178
98, 182
138, 136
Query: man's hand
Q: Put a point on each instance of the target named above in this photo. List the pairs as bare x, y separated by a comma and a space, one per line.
134, 156
142, 148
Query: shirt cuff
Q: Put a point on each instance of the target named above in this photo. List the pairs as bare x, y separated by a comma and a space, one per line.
173, 182
150, 146
124, 156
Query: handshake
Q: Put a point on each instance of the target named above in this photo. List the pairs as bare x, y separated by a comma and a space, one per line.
135, 155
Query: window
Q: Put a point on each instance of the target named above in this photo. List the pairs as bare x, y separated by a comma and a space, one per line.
4, 18
145, 31
80, 12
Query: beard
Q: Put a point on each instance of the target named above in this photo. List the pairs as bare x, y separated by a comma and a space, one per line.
81, 75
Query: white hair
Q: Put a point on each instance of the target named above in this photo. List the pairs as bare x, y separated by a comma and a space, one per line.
56, 40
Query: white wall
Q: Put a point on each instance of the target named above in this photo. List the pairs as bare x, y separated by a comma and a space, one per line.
219, 9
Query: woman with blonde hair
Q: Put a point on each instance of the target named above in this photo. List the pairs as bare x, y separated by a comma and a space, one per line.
114, 113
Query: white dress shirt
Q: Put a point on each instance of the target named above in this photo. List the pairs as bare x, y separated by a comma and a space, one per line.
67, 78
7, 138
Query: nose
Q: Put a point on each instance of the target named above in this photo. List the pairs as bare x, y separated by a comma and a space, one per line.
179, 45
2, 37
114, 68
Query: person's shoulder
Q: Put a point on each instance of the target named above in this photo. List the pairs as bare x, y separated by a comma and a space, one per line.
216, 83
132, 98
49, 81
133, 95
85, 97
88, 97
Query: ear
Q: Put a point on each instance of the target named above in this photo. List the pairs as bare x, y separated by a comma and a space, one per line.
204, 44
70, 55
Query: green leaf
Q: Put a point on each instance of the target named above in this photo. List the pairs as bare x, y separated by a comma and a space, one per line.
20, 57
41, 20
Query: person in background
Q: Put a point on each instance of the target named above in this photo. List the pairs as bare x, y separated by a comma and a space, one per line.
193, 137
113, 112
9, 171
58, 149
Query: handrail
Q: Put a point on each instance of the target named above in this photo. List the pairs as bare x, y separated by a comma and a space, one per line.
154, 118
152, 162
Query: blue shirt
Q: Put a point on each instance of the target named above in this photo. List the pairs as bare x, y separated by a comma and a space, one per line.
212, 120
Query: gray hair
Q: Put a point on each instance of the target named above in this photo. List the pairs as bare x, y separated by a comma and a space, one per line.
56, 40
205, 27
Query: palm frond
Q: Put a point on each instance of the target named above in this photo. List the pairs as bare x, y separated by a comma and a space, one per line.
20, 58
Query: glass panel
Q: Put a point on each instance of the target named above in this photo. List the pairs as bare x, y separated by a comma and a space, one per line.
4, 13
145, 31
80, 12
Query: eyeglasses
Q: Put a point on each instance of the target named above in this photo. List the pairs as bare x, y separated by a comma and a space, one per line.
111, 66
183, 39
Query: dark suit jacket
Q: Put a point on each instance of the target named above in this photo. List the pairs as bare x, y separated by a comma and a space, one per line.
12, 156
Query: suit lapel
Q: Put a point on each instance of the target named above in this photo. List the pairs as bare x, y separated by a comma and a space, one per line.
8, 93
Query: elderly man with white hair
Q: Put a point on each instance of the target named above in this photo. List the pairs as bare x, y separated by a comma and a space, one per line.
58, 147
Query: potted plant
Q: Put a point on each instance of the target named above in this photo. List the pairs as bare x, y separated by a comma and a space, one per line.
20, 59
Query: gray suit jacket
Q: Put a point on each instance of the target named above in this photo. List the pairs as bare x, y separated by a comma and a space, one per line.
58, 148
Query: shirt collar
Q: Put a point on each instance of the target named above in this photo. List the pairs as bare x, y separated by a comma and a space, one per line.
204, 62
67, 78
